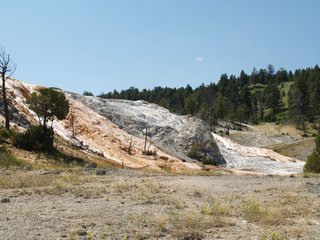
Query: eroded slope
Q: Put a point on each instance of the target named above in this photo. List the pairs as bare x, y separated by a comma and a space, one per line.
169, 132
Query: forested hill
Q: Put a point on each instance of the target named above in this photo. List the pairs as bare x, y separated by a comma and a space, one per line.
264, 95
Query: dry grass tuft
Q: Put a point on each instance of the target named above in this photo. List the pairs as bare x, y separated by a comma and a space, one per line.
254, 212
21, 179
122, 187
66, 182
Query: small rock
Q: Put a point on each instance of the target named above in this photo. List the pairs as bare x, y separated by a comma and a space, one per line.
5, 200
210, 231
82, 232
91, 165
27, 168
101, 172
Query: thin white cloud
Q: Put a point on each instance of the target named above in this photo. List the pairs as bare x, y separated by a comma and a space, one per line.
199, 59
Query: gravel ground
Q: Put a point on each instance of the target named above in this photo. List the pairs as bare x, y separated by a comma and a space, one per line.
124, 204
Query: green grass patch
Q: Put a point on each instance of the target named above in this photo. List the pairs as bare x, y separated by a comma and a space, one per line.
63, 159
8, 160
285, 88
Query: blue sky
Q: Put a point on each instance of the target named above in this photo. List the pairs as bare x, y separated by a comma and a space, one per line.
101, 45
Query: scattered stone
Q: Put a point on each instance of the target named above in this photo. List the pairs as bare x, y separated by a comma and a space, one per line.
55, 172
211, 230
82, 232
5, 200
101, 172
27, 168
91, 165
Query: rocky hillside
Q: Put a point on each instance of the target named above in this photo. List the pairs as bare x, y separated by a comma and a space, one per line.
116, 129
169, 132
120, 130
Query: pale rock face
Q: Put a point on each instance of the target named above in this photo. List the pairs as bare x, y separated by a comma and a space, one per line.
169, 132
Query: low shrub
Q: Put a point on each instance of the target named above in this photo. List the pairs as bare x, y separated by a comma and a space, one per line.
149, 152
4, 134
194, 151
208, 160
313, 162
36, 138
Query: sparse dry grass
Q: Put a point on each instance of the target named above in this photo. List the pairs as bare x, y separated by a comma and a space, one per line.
300, 150
153, 207
22, 179
57, 184
122, 187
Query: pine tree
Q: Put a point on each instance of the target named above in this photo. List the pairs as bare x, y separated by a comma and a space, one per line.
273, 99
48, 104
313, 162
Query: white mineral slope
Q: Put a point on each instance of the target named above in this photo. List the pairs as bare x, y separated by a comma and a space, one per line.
94, 132
169, 132
100, 135
255, 159
21, 116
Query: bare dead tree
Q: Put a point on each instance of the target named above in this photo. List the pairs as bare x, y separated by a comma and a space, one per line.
7, 68
72, 123
151, 142
129, 149
145, 140
146, 150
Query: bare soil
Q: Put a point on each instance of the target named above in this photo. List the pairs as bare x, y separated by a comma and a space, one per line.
283, 138
300, 149
127, 204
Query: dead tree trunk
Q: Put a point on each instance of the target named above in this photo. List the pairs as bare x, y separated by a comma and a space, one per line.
5, 102
145, 140
7, 68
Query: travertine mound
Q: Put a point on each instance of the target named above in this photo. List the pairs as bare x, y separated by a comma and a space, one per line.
169, 132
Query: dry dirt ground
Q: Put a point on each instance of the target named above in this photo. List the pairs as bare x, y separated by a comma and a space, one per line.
283, 138
127, 204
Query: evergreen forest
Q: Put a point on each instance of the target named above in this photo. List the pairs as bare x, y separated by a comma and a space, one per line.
265, 95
